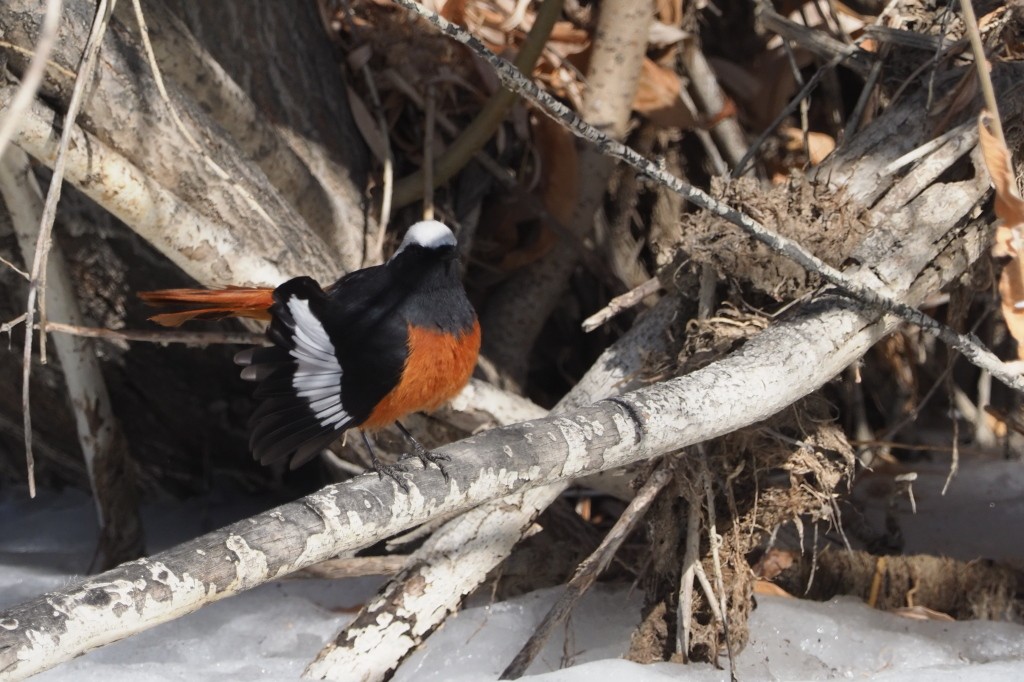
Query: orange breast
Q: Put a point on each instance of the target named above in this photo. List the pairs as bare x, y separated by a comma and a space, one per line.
437, 368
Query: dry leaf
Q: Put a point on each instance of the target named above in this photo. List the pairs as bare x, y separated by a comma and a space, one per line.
455, 11
1009, 209
922, 613
819, 145
763, 587
657, 98
559, 178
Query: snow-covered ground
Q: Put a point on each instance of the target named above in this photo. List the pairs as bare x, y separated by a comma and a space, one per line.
270, 633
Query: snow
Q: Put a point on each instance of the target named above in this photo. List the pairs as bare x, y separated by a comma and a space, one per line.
271, 632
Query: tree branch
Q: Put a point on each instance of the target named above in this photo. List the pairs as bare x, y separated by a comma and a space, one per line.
780, 365
968, 345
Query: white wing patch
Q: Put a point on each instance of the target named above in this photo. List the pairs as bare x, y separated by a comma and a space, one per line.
317, 378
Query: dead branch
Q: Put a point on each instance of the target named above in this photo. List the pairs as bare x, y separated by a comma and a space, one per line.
818, 42
102, 442
969, 347
204, 218
482, 405
963, 589
37, 285
34, 74
588, 571
162, 336
458, 557
354, 567
621, 303
783, 363
161, 217
314, 161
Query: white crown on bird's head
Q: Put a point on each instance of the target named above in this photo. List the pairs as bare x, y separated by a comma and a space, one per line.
430, 234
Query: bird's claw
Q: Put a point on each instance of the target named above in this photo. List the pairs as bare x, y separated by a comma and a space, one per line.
427, 457
392, 471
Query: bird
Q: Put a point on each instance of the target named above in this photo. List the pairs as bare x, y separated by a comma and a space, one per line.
379, 344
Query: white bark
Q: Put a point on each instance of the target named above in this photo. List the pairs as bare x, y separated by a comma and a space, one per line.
459, 556
306, 172
773, 369
208, 206
482, 405
210, 250
780, 365
909, 236
99, 432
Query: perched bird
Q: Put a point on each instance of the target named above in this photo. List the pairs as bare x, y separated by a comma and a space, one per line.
379, 344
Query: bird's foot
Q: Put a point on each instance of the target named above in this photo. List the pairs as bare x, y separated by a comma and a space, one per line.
392, 471
427, 457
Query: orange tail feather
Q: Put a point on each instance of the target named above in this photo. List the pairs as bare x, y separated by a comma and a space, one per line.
210, 304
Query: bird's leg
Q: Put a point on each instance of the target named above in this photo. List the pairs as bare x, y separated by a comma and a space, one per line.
383, 469
426, 456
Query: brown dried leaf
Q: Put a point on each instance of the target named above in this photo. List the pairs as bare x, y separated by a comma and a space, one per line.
559, 171
1009, 206
765, 587
657, 97
819, 145
455, 11
922, 613
1009, 209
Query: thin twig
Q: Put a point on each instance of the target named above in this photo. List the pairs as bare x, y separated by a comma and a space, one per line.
12, 266
62, 70
853, 122
620, 303
388, 173
782, 116
980, 61
511, 78
428, 156
715, 542
158, 335
691, 557
6, 327
587, 572
481, 128
33, 75
37, 286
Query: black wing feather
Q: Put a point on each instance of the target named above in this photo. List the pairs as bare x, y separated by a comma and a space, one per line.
299, 377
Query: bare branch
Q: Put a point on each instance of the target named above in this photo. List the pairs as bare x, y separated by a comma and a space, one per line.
102, 442
190, 338
34, 75
588, 571
766, 374
37, 287
968, 345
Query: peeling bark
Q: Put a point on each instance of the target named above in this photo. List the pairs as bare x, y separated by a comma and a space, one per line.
104, 448
216, 200
458, 557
